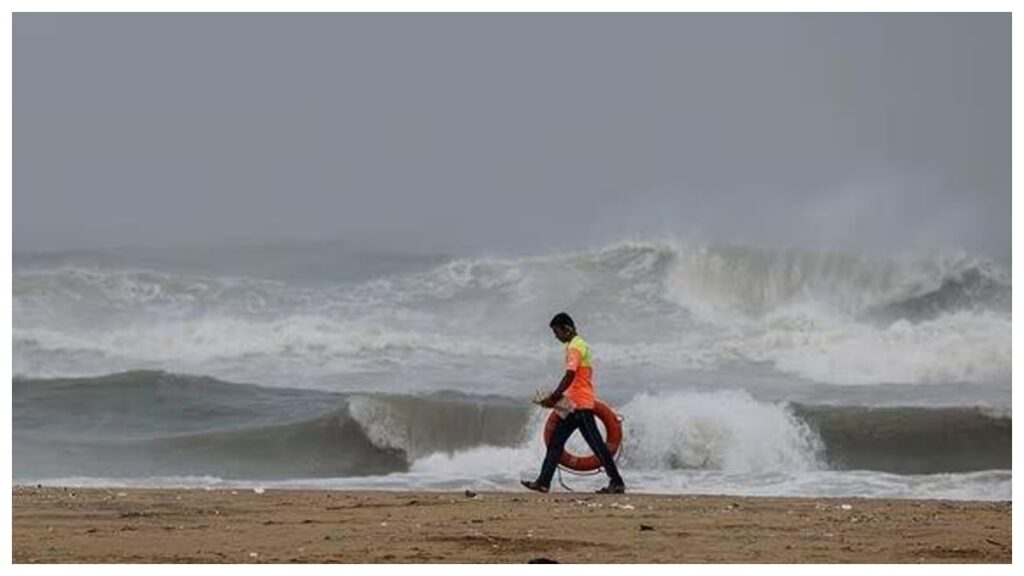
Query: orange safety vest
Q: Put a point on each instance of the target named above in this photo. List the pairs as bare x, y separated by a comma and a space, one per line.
577, 359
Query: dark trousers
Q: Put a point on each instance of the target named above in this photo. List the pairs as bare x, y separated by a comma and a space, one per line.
584, 420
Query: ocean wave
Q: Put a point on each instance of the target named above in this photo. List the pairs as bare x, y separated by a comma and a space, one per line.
154, 423
738, 279
911, 440
824, 317
730, 432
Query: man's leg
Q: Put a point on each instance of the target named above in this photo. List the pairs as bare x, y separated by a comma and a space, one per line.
588, 427
565, 427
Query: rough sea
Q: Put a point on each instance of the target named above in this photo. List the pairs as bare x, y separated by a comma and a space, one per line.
737, 370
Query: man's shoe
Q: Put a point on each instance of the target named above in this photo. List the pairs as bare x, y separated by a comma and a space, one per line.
613, 489
535, 486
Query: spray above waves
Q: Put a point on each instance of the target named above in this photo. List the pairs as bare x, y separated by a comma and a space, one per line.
637, 277
758, 282
830, 318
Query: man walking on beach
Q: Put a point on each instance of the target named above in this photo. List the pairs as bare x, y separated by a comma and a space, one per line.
574, 401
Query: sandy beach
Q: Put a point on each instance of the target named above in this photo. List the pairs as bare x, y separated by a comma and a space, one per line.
69, 525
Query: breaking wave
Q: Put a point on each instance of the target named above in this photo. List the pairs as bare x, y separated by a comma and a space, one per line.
829, 318
145, 424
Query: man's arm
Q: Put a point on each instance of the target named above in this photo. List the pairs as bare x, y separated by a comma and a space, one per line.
555, 396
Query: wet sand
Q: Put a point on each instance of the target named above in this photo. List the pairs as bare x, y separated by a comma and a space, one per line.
58, 525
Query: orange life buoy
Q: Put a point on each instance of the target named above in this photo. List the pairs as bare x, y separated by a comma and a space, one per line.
612, 426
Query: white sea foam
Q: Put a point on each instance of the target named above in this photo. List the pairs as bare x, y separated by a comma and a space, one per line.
992, 485
834, 319
727, 431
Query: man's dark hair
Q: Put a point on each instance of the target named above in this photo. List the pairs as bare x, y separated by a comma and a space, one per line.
563, 319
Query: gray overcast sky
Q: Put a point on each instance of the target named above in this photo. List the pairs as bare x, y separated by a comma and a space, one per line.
513, 132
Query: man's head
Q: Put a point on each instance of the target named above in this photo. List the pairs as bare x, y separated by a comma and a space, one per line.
563, 327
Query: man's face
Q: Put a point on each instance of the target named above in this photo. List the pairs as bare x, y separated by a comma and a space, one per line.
563, 333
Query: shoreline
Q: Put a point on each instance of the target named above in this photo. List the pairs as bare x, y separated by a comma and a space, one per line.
140, 525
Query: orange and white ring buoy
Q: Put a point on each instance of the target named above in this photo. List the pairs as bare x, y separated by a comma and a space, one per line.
612, 426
